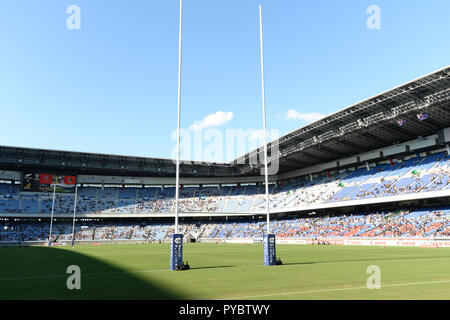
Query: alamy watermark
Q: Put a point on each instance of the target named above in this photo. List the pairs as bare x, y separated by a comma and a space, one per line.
374, 280
374, 20
73, 22
214, 145
74, 280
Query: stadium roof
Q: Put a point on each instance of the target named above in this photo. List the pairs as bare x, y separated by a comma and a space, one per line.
17, 158
364, 126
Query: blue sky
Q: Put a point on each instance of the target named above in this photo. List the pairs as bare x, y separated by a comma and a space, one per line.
111, 86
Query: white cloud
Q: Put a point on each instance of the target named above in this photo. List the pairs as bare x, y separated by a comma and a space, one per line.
307, 117
213, 120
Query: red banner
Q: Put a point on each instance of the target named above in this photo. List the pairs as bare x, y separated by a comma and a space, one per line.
46, 178
70, 180
391, 162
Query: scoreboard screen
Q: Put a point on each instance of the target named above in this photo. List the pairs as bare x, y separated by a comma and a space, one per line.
45, 182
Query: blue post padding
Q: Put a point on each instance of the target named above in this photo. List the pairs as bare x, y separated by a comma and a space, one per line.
176, 250
270, 254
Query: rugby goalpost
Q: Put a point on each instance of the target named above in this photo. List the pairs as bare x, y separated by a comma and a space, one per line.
176, 239
269, 238
49, 241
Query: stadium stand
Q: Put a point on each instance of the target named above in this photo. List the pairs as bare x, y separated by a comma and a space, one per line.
414, 175
427, 223
378, 154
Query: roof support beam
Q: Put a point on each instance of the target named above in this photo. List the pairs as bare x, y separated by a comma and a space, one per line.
397, 130
292, 163
430, 122
307, 155
374, 138
330, 151
351, 145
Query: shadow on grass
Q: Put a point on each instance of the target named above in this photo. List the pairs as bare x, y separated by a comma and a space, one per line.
40, 273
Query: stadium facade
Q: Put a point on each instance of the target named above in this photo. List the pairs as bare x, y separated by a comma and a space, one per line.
386, 155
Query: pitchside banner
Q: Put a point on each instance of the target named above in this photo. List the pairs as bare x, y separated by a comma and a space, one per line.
176, 250
269, 250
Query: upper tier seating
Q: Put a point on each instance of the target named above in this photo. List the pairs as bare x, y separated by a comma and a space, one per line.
414, 175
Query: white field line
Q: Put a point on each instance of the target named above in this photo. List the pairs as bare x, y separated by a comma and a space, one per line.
333, 290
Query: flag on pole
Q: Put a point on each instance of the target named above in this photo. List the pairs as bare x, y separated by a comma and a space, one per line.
422, 116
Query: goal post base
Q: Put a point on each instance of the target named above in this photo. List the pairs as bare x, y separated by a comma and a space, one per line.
176, 251
270, 255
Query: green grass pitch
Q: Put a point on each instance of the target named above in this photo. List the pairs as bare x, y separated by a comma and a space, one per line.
224, 271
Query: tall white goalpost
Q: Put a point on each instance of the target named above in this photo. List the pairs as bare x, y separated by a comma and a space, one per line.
74, 213
269, 238
49, 243
176, 239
